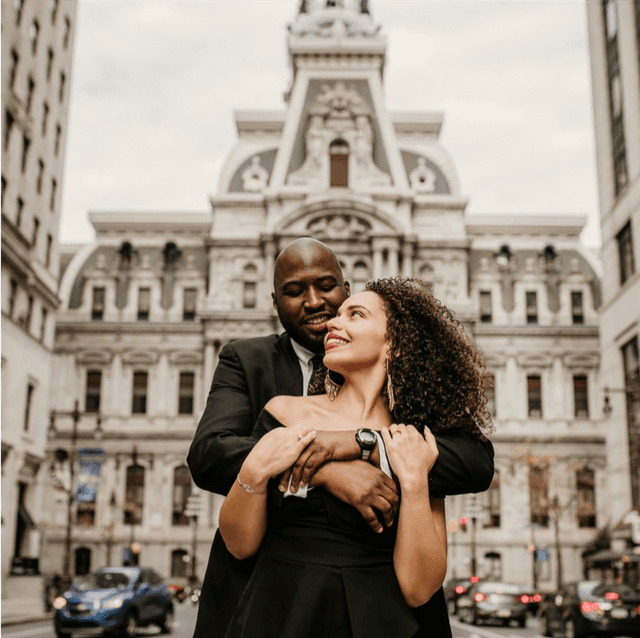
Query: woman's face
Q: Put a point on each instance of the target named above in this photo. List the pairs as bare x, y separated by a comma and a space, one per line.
356, 335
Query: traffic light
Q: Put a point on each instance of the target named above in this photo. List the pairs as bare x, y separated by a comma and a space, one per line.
463, 523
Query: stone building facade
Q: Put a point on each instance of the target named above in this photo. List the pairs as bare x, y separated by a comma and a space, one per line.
147, 307
614, 46
37, 50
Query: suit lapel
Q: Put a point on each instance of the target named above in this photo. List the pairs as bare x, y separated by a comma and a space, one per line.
287, 368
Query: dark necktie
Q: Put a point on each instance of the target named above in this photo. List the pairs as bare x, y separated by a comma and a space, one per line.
316, 362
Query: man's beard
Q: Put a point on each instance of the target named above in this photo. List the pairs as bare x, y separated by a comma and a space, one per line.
301, 337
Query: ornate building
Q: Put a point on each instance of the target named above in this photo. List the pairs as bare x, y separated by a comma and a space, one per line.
614, 46
37, 51
147, 307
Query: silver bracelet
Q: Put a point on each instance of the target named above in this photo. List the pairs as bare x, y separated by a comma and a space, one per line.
248, 488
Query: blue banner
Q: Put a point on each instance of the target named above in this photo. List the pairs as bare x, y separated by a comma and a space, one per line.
91, 460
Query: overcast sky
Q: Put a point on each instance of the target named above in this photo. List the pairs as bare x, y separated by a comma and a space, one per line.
155, 83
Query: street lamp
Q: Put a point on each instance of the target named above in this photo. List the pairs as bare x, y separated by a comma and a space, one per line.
193, 511
75, 415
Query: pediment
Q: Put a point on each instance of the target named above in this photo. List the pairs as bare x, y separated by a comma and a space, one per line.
100, 357
338, 220
144, 357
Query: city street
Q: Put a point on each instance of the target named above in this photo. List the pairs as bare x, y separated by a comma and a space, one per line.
186, 617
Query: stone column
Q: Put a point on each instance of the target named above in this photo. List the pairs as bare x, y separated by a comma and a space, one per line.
392, 262
407, 260
163, 382
377, 262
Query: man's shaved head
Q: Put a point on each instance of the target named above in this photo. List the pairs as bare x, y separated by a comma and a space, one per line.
308, 290
305, 250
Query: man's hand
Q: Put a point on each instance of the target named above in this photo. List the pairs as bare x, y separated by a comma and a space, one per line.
364, 487
327, 446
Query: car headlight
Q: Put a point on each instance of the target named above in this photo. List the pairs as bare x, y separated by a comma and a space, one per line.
60, 602
113, 603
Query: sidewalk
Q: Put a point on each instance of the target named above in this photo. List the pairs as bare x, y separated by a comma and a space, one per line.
20, 611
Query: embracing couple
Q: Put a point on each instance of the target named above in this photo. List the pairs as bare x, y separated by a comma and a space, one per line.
335, 444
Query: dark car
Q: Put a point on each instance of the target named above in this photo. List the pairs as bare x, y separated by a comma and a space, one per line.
591, 607
492, 600
531, 598
115, 600
454, 589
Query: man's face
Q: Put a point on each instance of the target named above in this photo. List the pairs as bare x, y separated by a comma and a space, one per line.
309, 289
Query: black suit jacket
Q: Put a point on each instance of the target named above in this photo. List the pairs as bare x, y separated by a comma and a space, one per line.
250, 372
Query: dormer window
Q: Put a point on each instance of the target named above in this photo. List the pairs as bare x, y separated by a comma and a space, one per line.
339, 156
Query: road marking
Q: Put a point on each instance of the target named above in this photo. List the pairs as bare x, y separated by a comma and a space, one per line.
26, 632
479, 632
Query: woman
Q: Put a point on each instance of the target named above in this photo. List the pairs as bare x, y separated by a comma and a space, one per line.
321, 570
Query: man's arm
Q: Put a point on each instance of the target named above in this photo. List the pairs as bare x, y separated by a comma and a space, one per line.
464, 465
223, 438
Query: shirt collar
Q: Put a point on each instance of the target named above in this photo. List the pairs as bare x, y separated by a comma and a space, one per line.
304, 355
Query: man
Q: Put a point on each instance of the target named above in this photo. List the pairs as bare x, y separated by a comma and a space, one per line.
308, 290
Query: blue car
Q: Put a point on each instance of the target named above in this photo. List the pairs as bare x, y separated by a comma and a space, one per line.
114, 600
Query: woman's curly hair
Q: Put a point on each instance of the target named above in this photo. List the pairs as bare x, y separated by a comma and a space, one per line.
438, 375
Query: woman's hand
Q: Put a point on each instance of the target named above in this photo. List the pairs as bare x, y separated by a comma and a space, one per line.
273, 453
411, 454
326, 446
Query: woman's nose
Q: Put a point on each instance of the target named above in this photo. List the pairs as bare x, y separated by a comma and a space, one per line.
333, 324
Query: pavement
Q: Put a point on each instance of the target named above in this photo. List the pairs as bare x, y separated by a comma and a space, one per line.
18, 611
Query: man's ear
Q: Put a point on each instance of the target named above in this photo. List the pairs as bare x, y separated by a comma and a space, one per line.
347, 287
273, 299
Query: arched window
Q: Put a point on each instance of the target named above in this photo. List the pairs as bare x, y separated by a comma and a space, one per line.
134, 495
82, 561
493, 502
493, 566
339, 155
250, 286
586, 489
181, 492
179, 560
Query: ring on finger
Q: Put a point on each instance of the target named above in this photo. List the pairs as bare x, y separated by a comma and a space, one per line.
300, 436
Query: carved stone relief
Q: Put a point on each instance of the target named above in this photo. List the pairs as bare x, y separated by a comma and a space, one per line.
338, 227
422, 178
255, 177
339, 112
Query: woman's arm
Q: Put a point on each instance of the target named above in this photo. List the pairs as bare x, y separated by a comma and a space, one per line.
420, 557
243, 516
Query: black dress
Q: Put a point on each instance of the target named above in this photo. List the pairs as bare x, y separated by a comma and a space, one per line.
322, 572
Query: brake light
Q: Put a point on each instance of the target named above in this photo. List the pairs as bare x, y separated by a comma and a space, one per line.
638, 609
524, 598
479, 598
536, 598
474, 579
612, 595
587, 607
460, 589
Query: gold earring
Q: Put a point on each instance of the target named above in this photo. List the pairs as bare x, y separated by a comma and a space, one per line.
392, 401
331, 387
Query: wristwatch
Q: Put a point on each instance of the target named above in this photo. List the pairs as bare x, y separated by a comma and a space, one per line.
367, 440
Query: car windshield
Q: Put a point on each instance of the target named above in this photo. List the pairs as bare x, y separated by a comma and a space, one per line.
623, 591
103, 580
499, 588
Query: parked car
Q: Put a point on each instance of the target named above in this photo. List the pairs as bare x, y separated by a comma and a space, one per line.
531, 598
491, 600
116, 600
591, 607
454, 589
178, 591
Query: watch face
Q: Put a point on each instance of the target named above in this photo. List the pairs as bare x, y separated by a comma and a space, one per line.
367, 439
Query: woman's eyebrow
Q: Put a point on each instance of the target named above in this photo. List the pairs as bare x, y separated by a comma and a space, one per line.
354, 306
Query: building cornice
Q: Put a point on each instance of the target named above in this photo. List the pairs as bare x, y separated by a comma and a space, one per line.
486, 330
122, 222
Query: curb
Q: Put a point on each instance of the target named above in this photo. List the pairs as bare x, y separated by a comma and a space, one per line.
25, 620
